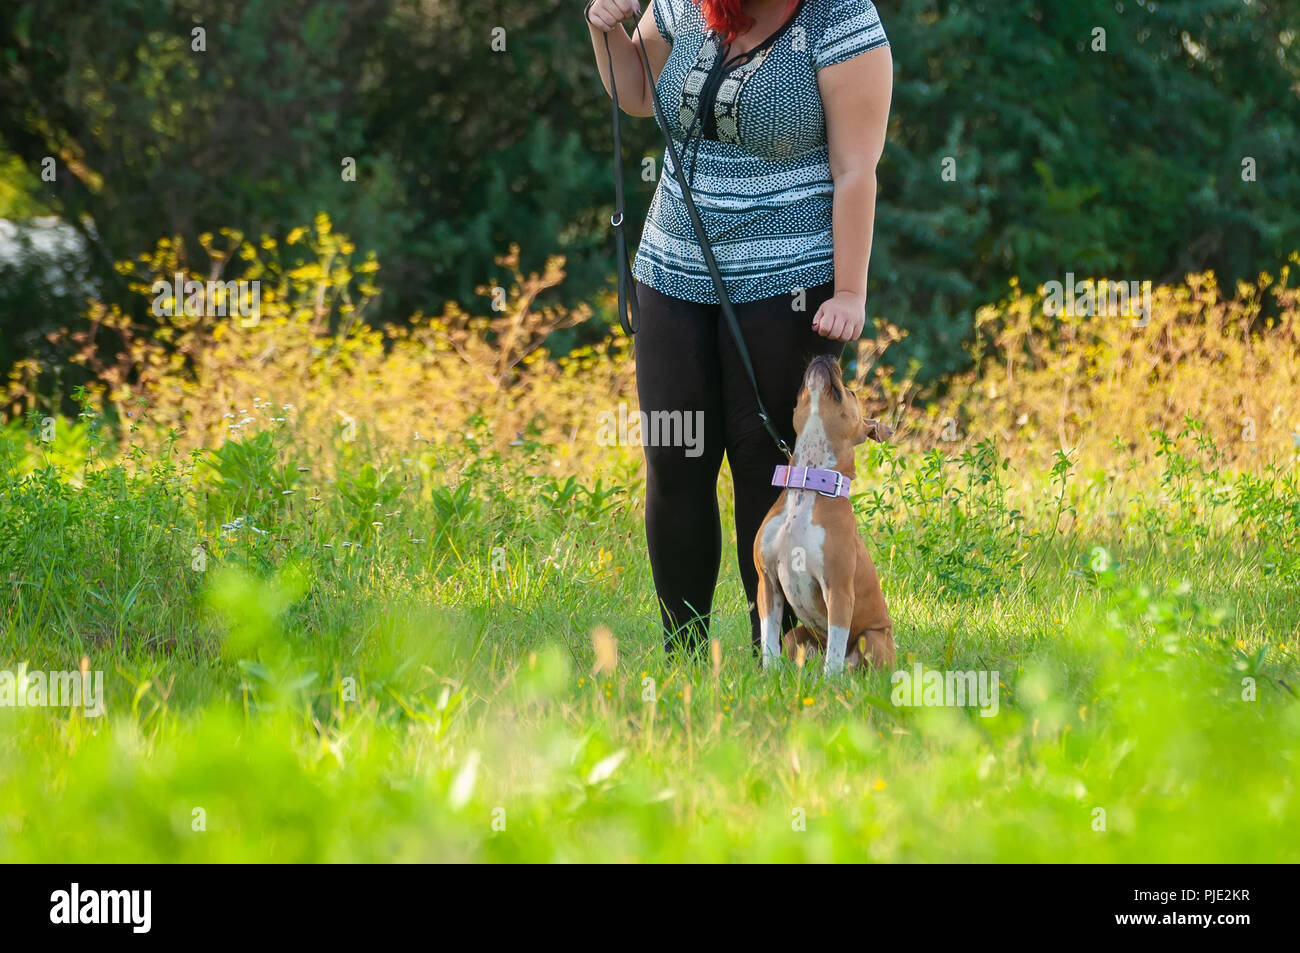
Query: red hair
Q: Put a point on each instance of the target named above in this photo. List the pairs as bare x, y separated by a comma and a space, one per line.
728, 20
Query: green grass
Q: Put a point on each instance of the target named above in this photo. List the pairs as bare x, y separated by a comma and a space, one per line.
428, 694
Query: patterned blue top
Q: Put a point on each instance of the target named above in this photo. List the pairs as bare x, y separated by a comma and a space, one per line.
763, 185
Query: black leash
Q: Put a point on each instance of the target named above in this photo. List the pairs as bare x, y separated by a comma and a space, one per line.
626, 295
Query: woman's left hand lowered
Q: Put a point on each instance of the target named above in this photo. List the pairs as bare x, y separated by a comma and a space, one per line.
842, 317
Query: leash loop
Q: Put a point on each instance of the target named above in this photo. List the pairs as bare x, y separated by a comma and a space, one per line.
628, 314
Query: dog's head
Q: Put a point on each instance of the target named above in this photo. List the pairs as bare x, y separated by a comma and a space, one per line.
824, 395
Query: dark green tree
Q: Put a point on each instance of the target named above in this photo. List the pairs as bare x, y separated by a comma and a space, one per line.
475, 124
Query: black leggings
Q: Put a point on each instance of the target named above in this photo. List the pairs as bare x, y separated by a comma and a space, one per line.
686, 361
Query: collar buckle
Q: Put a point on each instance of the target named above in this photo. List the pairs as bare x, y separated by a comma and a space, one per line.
839, 484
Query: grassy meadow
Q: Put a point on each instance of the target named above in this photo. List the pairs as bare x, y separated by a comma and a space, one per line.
363, 595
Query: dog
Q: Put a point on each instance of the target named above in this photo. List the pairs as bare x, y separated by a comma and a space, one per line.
808, 551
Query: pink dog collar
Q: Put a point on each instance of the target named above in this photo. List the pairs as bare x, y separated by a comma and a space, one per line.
826, 482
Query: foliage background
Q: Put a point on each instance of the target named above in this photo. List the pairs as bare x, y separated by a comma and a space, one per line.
1125, 163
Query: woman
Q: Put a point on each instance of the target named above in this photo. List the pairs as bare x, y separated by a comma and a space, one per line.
778, 109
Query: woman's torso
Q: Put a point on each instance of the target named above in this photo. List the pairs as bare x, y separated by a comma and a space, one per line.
762, 185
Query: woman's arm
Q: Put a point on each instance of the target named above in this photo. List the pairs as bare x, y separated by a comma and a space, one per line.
856, 95
605, 18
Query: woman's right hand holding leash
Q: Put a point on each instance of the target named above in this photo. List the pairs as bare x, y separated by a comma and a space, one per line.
604, 15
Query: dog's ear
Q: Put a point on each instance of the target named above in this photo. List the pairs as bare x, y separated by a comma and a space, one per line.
877, 430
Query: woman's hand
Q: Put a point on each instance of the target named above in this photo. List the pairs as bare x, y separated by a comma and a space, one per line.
604, 15
842, 317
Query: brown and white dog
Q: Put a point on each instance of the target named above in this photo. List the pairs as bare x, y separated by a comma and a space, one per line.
808, 550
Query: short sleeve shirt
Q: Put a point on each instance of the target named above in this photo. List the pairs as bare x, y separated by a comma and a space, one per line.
763, 186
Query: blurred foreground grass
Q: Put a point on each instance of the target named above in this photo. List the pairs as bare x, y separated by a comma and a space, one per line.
377, 665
